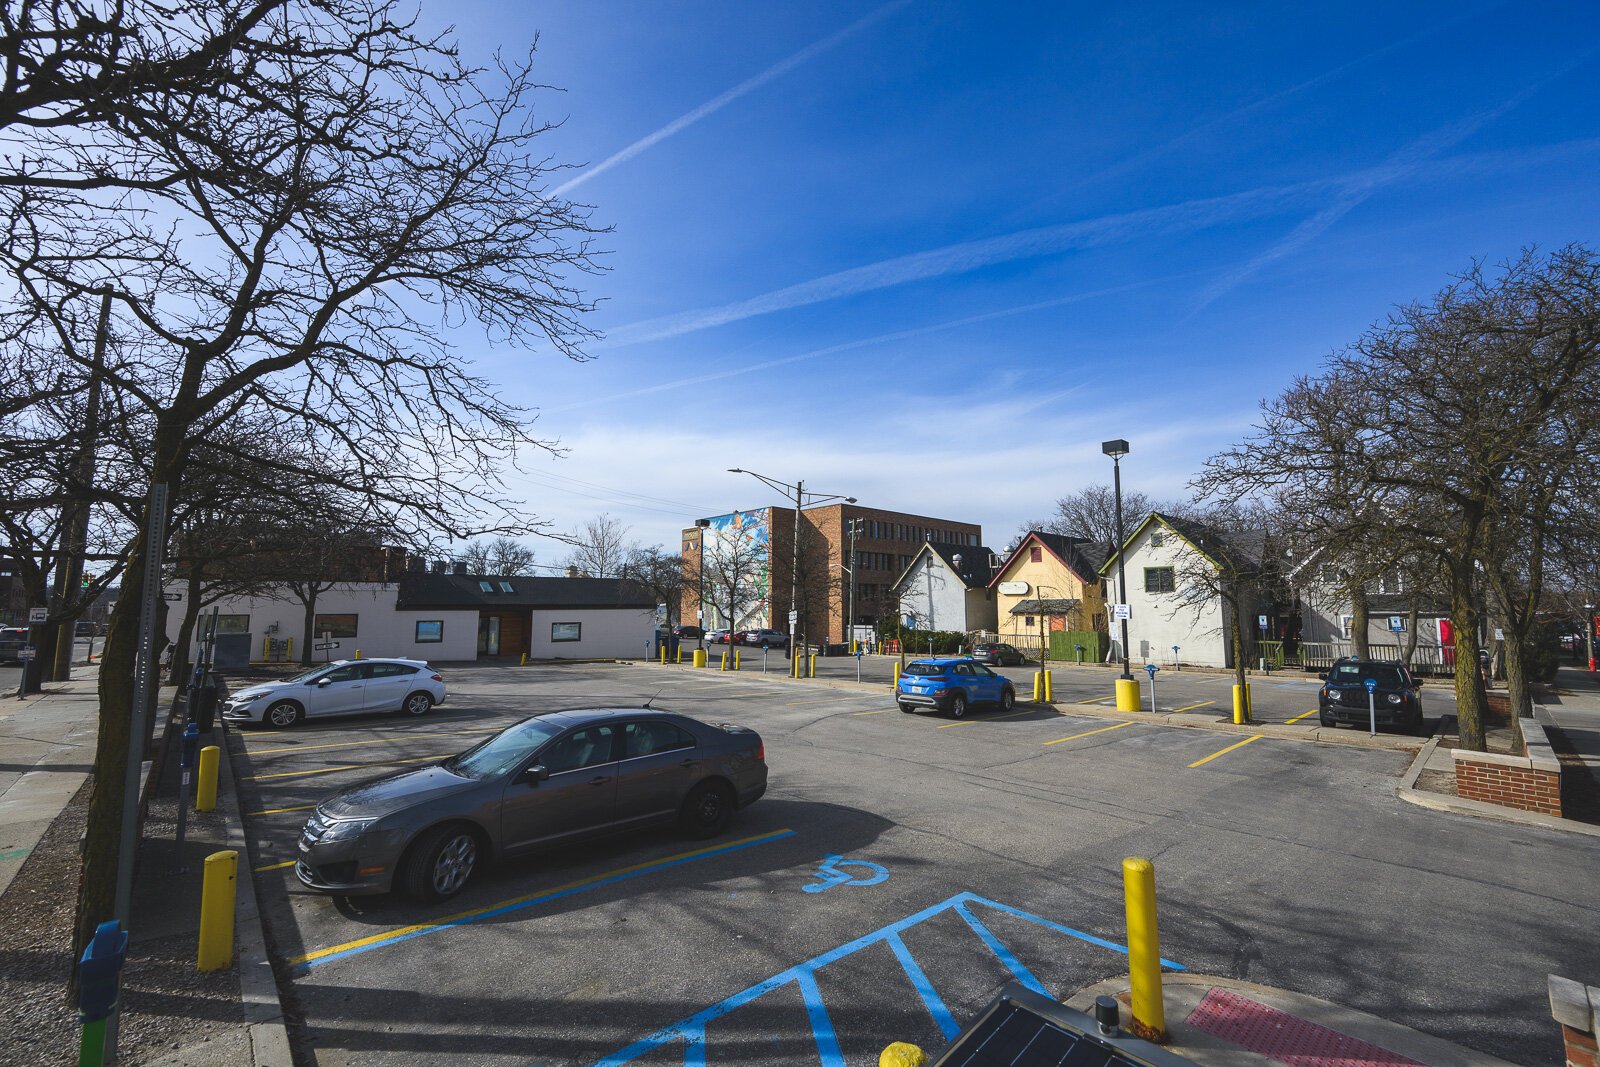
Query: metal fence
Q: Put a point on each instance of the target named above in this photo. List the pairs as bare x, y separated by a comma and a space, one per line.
1427, 659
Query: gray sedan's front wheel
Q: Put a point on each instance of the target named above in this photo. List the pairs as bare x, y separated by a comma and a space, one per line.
283, 714
417, 704
440, 863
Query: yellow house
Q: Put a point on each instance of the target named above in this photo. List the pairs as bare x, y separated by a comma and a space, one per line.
1048, 584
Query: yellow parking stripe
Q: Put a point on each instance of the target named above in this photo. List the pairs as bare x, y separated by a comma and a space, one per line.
1096, 700
351, 744
1230, 748
280, 811
276, 866
1089, 733
1297, 718
884, 711
335, 770
987, 718
1191, 707
460, 917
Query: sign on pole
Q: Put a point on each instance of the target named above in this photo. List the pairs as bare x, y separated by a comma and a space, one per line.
38, 615
794, 618
1397, 624
1120, 612
1261, 622
26, 652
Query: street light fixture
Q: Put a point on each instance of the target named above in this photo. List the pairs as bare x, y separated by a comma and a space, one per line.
1116, 450
801, 498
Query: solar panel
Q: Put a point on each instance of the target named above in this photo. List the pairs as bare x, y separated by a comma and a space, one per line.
1020, 1028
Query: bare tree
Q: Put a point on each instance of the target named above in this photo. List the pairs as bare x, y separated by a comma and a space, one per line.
1092, 512
511, 557
662, 573
734, 573
601, 549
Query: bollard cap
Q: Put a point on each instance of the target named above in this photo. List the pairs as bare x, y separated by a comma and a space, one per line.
902, 1054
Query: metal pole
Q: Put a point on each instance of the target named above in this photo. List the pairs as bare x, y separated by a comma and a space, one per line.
794, 570
22, 686
1122, 574
850, 626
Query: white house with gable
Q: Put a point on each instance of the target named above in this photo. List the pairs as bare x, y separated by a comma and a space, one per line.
946, 587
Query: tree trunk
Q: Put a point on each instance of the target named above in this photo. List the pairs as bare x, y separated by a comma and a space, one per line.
1360, 621
310, 601
1410, 649
1238, 645
191, 614
1516, 685
1470, 704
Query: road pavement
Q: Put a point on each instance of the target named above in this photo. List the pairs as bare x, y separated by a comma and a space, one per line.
899, 870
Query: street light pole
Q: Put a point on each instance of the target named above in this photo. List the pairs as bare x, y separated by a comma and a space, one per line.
700, 605
1116, 450
850, 623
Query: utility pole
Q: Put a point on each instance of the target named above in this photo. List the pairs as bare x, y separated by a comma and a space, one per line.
700, 603
1116, 450
850, 625
75, 521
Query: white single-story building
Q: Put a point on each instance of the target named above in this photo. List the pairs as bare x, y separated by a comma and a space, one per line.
946, 587
445, 618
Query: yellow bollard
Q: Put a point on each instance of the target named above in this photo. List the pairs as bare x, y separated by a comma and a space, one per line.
1038, 686
902, 1054
358, 653
1249, 705
699, 657
813, 658
1049, 689
523, 662
205, 792
724, 662
1127, 694
216, 911
1241, 710
288, 653
896, 683
1144, 949
737, 661
680, 655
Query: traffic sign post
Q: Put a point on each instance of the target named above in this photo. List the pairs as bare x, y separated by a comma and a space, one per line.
1372, 705
38, 615
1397, 624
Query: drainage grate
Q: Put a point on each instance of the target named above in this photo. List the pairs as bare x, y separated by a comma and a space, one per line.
1284, 1037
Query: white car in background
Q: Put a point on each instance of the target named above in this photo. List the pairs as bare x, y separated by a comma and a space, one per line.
345, 687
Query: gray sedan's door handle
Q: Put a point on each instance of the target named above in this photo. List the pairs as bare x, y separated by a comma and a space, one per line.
690, 763
599, 780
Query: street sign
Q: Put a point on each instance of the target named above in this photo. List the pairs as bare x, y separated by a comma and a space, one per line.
26, 652
325, 646
38, 615
1397, 624
794, 618
1499, 634
1371, 684
171, 596
1120, 612
1152, 668
1261, 621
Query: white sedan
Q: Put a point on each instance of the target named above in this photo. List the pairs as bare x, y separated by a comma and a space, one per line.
341, 688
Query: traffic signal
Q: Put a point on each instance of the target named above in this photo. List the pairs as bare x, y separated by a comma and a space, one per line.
88, 580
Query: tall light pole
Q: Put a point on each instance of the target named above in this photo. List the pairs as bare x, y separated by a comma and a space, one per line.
850, 624
1116, 450
700, 605
801, 498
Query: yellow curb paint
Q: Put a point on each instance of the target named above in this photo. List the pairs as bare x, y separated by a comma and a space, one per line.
1297, 718
280, 811
1191, 707
335, 770
1230, 748
1089, 733
389, 935
275, 866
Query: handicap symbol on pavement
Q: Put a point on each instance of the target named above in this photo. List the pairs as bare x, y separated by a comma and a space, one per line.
831, 875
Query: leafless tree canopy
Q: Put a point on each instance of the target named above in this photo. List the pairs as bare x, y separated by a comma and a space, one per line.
601, 549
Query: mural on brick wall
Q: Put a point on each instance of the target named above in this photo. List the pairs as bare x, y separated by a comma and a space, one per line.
738, 563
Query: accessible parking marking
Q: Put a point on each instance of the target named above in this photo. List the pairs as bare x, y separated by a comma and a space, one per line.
301, 964
1225, 751
1090, 733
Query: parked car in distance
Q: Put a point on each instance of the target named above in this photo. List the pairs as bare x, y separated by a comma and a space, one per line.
1397, 700
550, 779
689, 633
12, 638
953, 685
996, 654
343, 687
764, 638
716, 637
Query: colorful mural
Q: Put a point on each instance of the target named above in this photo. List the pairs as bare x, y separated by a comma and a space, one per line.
744, 536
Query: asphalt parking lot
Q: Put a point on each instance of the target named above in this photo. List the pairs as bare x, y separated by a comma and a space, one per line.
898, 871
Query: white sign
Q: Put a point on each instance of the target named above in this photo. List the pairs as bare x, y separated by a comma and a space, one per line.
26, 652
1261, 621
1397, 624
1120, 612
38, 614
325, 646
794, 619
1499, 634
1014, 588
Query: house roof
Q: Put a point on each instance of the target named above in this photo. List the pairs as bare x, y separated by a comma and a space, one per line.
1237, 551
1080, 555
1050, 605
462, 592
974, 569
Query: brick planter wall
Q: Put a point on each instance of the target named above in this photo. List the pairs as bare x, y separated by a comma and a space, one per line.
1531, 782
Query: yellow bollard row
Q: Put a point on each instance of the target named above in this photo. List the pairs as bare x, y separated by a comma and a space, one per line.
205, 792
1049, 689
217, 892
813, 658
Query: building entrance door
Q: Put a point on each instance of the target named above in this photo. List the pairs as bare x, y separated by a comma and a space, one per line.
488, 635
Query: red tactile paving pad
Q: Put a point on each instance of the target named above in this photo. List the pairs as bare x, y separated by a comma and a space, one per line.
1284, 1037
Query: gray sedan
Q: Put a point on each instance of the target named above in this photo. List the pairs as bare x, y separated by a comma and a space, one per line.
547, 780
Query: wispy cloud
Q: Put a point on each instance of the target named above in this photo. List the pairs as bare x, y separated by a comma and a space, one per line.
717, 103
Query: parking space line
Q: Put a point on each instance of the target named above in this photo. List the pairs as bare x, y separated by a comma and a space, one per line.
798, 703
347, 767
1191, 707
880, 711
1297, 718
276, 866
1230, 748
280, 811
351, 744
987, 718
1096, 700
301, 964
1089, 733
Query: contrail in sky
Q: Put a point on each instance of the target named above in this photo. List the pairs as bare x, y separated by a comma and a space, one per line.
717, 103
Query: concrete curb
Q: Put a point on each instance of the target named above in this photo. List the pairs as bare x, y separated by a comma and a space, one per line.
1183, 991
258, 986
1312, 735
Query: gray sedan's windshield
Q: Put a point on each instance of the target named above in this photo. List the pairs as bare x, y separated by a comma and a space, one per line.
504, 750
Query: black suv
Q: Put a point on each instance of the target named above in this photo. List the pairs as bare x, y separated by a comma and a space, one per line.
1343, 697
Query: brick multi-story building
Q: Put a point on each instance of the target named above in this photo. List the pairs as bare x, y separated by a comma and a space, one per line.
885, 543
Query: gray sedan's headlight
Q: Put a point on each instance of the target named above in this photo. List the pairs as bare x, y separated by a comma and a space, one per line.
345, 829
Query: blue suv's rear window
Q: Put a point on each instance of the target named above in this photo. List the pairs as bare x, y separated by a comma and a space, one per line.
926, 670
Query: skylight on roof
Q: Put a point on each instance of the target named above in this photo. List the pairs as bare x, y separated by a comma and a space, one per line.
505, 587
486, 587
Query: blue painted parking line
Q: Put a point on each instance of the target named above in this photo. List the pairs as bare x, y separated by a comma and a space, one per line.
690, 1033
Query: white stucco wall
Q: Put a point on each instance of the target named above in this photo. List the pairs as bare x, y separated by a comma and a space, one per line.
941, 600
605, 633
381, 630
1158, 621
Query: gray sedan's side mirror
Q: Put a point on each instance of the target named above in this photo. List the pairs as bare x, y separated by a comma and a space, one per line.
536, 774
323, 682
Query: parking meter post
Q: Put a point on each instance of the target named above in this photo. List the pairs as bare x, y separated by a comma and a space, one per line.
1151, 668
1372, 705
186, 757
99, 970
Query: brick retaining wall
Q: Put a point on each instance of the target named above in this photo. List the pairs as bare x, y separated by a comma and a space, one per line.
1531, 782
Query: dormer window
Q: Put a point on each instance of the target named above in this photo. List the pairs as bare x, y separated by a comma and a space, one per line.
505, 587
486, 587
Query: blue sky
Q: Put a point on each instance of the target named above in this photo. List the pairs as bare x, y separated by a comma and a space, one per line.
930, 253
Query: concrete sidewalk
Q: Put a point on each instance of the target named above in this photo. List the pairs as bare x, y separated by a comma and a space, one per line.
1221, 1022
47, 744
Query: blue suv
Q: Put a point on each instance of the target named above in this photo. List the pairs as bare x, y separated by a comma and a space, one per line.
952, 685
